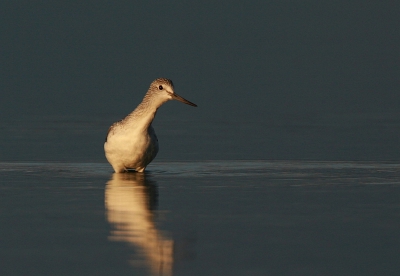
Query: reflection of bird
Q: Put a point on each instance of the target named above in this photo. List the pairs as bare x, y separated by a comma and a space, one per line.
132, 143
129, 200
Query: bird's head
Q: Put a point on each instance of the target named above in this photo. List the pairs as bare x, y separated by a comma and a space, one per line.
164, 89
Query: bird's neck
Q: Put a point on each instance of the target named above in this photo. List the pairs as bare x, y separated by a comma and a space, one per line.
142, 117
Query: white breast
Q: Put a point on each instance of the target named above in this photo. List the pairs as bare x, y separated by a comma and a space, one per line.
130, 149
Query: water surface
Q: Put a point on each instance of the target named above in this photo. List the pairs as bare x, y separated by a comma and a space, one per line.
201, 218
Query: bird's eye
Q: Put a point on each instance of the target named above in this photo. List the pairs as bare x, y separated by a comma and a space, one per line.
160, 87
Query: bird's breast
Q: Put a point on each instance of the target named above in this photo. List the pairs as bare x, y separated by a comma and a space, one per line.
132, 148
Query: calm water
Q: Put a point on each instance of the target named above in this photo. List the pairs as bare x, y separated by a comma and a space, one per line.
273, 80
201, 218
186, 135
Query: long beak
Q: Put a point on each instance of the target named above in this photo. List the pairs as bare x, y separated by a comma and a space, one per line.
179, 98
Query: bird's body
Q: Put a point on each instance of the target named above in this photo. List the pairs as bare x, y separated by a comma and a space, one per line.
131, 143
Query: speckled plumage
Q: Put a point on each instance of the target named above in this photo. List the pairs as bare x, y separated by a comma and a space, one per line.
131, 144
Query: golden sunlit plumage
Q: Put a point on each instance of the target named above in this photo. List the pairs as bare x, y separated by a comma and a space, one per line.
131, 144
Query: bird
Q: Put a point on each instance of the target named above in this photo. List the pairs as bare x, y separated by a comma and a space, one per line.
131, 143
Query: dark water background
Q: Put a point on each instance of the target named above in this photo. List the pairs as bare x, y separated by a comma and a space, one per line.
277, 137
309, 88
273, 80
